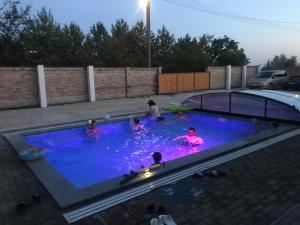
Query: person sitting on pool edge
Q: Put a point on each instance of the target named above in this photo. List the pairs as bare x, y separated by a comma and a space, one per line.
92, 129
154, 111
192, 139
135, 124
274, 124
256, 122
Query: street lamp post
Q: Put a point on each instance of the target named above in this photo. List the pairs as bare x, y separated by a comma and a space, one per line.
148, 32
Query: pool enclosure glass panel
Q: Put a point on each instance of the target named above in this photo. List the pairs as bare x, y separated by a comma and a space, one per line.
216, 102
194, 101
244, 104
247, 105
281, 111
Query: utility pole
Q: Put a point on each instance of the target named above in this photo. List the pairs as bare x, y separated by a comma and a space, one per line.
148, 32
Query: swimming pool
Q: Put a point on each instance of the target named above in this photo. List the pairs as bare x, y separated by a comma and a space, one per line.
85, 161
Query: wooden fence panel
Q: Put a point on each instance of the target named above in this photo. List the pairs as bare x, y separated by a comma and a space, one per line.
180, 82
167, 83
185, 81
202, 81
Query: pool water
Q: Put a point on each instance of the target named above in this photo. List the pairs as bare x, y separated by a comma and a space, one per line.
85, 160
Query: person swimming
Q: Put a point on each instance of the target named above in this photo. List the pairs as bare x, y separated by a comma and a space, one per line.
156, 158
192, 139
135, 124
154, 111
256, 122
92, 129
180, 115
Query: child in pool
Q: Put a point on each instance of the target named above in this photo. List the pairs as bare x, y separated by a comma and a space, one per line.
92, 129
154, 111
135, 124
180, 115
192, 139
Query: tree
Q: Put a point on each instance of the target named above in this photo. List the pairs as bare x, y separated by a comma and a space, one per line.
281, 62
118, 45
29, 41
42, 40
189, 54
13, 20
137, 45
225, 51
163, 45
72, 52
96, 45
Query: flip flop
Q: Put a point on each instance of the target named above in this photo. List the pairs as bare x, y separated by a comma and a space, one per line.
168, 191
156, 221
197, 193
167, 220
150, 212
23, 205
37, 198
198, 175
216, 173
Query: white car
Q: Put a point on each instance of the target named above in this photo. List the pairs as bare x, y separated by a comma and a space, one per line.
270, 79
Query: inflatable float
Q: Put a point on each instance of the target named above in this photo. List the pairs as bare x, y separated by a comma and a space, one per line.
174, 107
32, 154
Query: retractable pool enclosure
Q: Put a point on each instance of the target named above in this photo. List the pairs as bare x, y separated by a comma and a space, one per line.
257, 103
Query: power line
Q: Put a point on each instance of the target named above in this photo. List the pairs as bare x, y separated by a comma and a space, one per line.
231, 15
214, 8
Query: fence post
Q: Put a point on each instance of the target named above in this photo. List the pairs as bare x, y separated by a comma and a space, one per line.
228, 77
42, 86
194, 82
258, 68
159, 71
126, 82
244, 76
91, 83
208, 69
177, 82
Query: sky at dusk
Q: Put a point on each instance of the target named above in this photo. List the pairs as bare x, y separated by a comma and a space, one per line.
260, 39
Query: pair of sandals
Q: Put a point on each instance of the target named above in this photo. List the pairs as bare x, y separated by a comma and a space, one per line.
212, 173
35, 199
162, 220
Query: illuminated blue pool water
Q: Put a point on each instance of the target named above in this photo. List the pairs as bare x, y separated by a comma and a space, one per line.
84, 160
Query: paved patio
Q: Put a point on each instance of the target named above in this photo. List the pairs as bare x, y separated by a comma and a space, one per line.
259, 189
262, 188
32, 117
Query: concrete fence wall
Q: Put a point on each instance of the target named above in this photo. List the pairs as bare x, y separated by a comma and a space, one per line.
18, 88
142, 82
33, 87
236, 77
110, 83
294, 71
66, 85
125, 82
219, 76
252, 71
